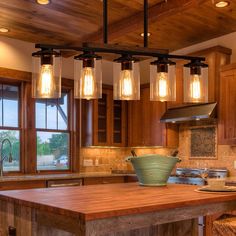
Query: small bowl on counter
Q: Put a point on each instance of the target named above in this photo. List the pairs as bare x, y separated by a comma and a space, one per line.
216, 183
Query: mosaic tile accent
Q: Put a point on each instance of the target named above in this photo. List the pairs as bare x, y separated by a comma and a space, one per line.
203, 142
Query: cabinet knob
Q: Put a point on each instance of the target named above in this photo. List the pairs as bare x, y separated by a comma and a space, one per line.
11, 231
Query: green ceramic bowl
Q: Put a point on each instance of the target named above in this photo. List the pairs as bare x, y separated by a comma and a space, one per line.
153, 169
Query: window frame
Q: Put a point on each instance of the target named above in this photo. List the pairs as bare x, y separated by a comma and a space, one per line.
68, 131
20, 124
28, 155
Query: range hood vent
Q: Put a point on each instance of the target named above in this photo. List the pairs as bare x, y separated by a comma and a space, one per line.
189, 113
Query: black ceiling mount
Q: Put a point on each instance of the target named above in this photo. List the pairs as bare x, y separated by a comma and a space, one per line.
145, 23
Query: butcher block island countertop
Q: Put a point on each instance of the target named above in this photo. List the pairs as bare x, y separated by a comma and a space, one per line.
109, 209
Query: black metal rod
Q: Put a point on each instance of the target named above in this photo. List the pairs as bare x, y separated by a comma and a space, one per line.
145, 23
105, 22
138, 52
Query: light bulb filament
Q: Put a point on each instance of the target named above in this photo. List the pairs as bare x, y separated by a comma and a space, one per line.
195, 87
45, 82
163, 88
126, 83
89, 82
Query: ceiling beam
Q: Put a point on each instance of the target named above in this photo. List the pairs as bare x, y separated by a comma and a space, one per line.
132, 23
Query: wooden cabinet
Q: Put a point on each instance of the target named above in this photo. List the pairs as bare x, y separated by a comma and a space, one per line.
11, 185
144, 127
104, 121
227, 105
103, 180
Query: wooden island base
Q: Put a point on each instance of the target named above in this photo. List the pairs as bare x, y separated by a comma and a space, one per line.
32, 222
111, 210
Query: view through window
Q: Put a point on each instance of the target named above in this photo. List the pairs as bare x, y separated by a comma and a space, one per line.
9, 125
52, 133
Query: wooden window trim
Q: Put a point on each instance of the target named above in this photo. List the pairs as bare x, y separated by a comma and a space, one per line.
19, 127
27, 122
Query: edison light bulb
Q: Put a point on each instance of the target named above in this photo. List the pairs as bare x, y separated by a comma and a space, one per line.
195, 86
162, 84
88, 79
126, 83
46, 80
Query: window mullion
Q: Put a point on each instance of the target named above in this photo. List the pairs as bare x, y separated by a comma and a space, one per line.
46, 113
2, 105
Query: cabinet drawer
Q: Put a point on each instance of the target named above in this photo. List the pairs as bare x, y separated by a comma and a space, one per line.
22, 185
130, 179
103, 180
64, 183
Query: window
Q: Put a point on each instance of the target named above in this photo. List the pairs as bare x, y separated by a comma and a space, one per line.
53, 135
9, 125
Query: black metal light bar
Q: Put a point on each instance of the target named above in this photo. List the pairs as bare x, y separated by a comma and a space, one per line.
105, 22
116, 49
145, 23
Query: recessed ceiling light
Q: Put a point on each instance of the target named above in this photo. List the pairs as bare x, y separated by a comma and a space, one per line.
43, 2
222, 4
4, 30
148, 34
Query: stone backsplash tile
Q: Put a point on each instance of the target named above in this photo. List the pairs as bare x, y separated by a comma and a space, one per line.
114, 158
225, 154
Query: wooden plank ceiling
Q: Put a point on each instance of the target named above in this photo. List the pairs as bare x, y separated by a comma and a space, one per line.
173, 25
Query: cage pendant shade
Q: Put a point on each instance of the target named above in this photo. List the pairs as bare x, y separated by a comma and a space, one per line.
195, 85
162, 82
46, 75
126, 80
88, 78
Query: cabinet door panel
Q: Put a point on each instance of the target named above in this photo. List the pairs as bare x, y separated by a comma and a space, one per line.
144, 124
119, 119
104, 121
227, 113
135, 122
153, 130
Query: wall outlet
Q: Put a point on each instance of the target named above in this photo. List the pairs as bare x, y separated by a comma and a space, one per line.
234, 164
88, 162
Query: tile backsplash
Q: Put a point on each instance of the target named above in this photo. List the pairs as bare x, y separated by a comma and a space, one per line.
107, 159
224, 157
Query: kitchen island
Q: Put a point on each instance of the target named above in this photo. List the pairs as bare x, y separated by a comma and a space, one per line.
112, 209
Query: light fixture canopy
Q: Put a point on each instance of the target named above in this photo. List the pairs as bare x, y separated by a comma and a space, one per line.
196, 82
87, 76
126, 78
162, 80
43, 2
46, 74
221, 4
4, 30
148, 34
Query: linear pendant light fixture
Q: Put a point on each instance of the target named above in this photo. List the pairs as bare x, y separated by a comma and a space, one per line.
126, 75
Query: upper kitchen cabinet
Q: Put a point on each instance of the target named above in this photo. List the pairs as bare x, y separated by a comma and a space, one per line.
144, 127
215, 58
227, 105
104, 121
